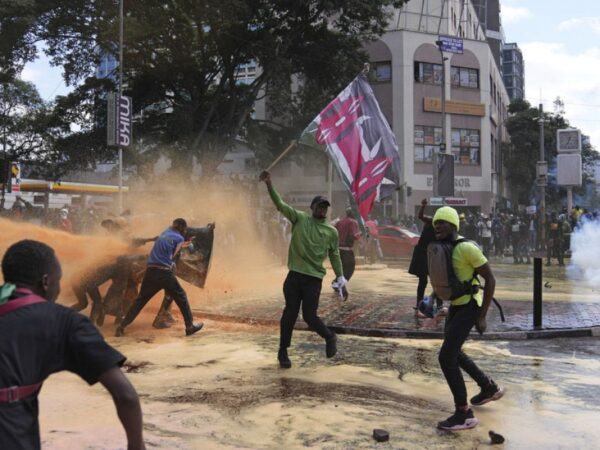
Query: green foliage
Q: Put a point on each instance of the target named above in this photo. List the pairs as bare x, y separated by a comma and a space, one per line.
22, 119
181, 58
522, 154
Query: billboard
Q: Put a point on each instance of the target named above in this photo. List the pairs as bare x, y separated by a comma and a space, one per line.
119, 120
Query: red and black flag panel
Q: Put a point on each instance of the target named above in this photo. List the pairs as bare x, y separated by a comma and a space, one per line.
359, 141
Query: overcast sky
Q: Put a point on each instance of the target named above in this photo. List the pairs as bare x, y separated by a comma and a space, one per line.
560, 43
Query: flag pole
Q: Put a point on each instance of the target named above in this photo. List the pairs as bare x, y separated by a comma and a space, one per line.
280, 157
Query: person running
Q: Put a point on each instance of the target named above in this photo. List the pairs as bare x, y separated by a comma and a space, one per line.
418, 263
312, 240
159, 276
39, 338
465, 312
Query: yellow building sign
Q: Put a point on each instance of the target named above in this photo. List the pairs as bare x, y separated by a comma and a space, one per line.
433, 104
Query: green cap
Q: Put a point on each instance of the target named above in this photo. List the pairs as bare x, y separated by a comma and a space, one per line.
448, 214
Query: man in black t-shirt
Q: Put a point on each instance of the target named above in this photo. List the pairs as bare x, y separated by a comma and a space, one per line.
39, 338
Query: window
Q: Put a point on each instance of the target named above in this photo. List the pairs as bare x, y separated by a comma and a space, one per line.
380, 72
464, 77
428, 73
465, 146
427, 140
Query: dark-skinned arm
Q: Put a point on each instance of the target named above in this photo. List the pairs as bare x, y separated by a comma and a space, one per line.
290, 213
422, 217
485, 272
128, 406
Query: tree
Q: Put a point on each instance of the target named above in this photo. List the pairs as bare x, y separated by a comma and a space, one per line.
182, 61
521, 156
21, 113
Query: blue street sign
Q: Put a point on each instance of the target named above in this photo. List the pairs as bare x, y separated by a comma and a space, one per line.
450, 44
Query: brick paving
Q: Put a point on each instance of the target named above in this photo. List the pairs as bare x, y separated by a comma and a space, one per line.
387, 314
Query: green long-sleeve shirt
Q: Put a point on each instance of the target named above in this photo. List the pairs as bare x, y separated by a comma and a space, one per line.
312, 240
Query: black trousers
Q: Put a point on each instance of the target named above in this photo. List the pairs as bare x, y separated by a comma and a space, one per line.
459, 322
555, 249
421, 288
154, 281
348, 263
301, 290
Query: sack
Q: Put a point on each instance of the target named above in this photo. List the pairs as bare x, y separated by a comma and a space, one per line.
446, 284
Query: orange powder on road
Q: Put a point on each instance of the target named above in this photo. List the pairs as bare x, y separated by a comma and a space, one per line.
240, 262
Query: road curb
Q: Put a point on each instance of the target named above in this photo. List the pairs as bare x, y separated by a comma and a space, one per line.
418, 334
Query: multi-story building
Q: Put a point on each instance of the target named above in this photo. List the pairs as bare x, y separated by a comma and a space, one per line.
488, 13
410, 91
407, 79
513, 71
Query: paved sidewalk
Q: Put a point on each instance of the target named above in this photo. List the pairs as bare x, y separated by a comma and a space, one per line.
368, 312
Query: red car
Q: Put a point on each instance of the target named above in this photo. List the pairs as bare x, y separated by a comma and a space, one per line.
396, 241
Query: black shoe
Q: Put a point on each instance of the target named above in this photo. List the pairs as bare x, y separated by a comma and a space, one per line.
284, 360
120, 331
460, 420
489, 394
331, 346
194, 328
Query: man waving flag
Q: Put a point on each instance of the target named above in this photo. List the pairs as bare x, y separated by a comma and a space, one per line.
354, 132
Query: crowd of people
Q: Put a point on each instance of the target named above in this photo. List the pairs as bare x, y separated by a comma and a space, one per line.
519, 235
70, 218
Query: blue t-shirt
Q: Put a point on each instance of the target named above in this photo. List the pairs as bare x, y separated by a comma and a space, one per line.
164, 247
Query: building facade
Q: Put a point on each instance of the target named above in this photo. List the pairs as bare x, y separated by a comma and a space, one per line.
513, 71
409, 89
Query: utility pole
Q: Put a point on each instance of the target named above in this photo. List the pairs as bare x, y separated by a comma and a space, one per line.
435, 158
119, 102
542, 173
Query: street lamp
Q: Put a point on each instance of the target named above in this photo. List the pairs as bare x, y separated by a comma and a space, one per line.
435, 159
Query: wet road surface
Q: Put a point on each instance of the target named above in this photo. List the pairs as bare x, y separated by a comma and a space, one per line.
222, 389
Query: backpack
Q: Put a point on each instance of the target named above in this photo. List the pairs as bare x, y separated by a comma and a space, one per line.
444, 281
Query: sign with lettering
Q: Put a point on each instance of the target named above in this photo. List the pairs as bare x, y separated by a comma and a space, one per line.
450, 44
448, 201
434, 104
119, 120
459, 182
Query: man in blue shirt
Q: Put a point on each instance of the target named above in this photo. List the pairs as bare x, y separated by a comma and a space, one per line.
159, 275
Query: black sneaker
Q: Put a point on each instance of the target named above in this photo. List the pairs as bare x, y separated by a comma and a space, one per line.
284, 360
460, 420
194, 328
489, 394
331, 346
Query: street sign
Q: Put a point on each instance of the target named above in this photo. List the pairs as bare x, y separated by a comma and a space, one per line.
568, 169
119, 120
448, 201
450, 44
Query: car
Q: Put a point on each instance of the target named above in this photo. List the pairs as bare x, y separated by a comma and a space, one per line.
396, 241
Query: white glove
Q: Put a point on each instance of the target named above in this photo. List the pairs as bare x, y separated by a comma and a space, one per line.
341, 282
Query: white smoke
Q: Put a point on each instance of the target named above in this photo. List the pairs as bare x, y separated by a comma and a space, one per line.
585, 247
